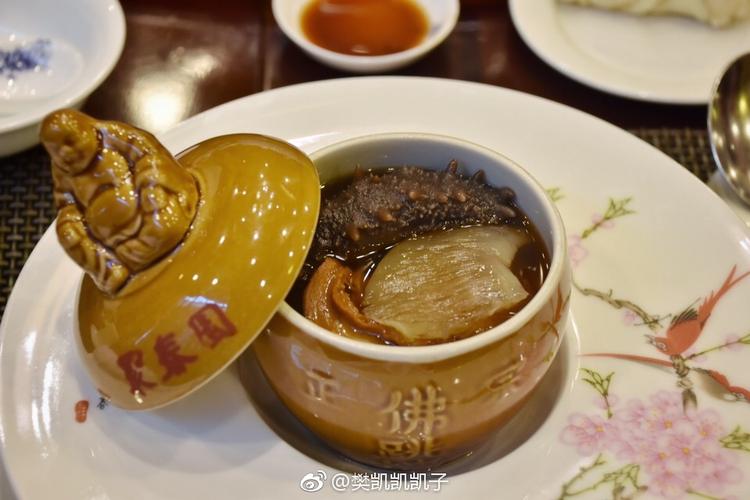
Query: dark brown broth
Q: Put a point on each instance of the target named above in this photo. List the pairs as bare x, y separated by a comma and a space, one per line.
530, 265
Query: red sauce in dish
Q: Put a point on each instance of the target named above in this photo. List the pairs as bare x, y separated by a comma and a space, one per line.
364, 27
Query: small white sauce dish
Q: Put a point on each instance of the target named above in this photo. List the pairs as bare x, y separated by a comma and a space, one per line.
442, 16
53, 54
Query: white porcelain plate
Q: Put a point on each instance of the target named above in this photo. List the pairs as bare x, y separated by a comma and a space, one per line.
665, 59
662, 410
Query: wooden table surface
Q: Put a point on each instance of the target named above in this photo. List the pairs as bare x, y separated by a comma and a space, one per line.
184, 56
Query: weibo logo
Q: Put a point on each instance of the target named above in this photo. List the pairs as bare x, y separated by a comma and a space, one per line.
313, 481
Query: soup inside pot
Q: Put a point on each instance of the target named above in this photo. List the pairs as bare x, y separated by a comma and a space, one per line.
412, 256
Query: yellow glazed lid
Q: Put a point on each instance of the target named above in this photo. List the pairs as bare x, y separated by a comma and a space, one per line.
178, 323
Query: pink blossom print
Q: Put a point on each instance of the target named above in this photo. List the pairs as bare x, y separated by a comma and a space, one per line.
673, 452
615, 209
599, 221
576, 251
629, 317
587, 433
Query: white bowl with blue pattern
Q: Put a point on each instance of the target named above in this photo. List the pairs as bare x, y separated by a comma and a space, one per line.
53, 54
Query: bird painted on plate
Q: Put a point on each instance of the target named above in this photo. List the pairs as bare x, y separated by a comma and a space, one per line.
687, 326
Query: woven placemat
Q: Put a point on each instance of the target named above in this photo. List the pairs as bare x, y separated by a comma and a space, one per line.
689, 147
26, 208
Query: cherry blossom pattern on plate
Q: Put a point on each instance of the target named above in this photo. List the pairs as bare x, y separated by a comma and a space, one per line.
654, 445
616, 208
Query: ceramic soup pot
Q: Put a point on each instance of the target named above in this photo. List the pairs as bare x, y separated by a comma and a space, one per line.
419, 407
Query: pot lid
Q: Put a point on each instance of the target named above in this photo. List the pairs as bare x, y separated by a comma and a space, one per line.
180, 321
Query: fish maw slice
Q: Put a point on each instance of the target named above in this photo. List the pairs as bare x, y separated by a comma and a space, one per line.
446, 285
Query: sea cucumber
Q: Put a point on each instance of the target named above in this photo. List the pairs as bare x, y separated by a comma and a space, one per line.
379, 209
